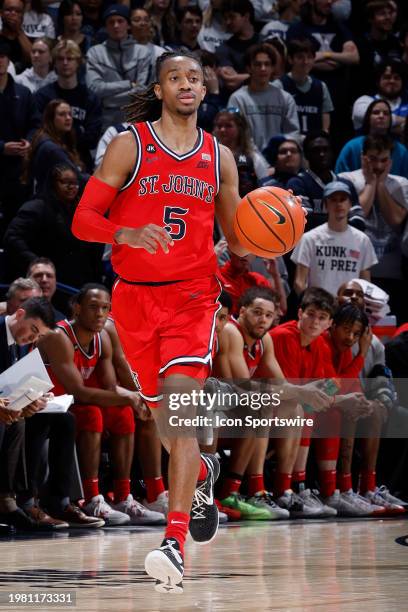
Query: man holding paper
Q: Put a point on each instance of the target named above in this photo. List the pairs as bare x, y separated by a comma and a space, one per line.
32, 319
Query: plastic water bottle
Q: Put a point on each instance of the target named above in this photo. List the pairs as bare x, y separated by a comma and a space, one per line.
330, 386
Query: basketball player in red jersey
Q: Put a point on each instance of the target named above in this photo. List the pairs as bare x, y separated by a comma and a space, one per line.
165, 300
248, 354
162, 182
79, 358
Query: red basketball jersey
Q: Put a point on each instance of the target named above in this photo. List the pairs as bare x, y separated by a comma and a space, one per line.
175, 192
85, 363
252, 355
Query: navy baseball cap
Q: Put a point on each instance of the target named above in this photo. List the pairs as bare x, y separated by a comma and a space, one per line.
334, 187
116, 9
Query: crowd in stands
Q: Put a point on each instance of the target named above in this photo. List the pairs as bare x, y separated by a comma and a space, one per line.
309, 95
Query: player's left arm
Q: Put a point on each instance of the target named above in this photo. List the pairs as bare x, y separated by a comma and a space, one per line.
120, 364
221, 365
104, 370
227, 200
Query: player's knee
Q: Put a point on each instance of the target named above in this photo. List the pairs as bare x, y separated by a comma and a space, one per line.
88, 418
186, 445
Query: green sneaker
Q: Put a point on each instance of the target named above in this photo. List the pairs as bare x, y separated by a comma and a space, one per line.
248, 511
263, 499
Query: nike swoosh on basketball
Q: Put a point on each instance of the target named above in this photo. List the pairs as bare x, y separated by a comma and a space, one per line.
281, 218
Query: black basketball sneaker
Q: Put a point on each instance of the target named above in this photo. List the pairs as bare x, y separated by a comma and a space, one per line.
204, 512
166, 566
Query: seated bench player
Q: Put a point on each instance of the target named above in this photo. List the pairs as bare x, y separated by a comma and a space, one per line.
250, 355
79, 358
375, 378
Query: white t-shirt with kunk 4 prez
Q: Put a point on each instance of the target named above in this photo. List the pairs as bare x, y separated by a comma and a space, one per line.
334, 258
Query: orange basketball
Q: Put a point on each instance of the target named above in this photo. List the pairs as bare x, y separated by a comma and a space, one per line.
269, 222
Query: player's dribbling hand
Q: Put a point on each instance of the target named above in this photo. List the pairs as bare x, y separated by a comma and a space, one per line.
149, 237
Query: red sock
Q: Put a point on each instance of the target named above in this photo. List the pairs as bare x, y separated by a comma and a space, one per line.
327, 482
298, 476
154, 486
344, 482
368, 481
177, 527
255, 484
91, 488
282, 482
230, 485
121, 489
202, 474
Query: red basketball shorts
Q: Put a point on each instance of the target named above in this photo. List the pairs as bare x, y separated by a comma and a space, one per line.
117, 420
166, 329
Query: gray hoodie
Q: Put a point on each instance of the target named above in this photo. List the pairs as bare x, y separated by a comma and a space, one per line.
112, 69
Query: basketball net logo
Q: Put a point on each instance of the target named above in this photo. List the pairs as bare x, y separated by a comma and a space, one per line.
281, 218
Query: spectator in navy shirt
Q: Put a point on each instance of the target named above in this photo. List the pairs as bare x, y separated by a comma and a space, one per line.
285, 156
19, 118
239, 21
42, 228
335, 53
190, 19
12, 32
312, 97
70, 20
379, 43
53, 143
310, 183
85, 105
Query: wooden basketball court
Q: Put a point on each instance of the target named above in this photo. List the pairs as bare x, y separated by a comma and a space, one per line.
304, 565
